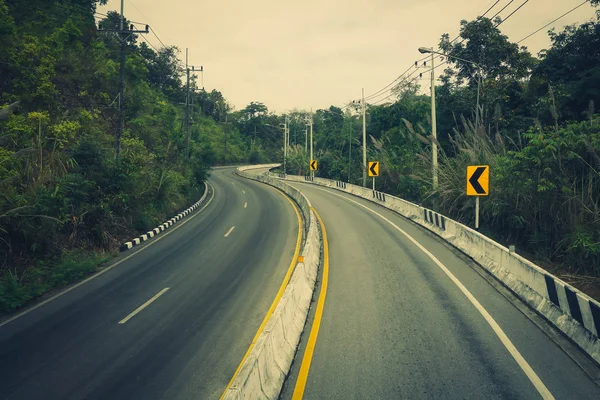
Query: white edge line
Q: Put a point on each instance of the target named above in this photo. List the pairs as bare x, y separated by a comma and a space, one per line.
533, 378
109, 267
229, 231
140, 308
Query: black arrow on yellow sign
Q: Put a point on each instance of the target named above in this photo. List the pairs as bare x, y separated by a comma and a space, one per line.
313, 165
373, 168
478, 178
474, 180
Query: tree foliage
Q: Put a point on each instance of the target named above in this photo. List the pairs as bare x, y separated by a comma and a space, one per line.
62, 193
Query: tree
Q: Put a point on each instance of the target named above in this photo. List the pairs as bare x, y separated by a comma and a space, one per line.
505, 68
572, 68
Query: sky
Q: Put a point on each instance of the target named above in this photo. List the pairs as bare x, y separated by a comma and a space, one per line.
315, 53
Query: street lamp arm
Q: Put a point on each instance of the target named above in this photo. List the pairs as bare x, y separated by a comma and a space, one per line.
456, 58
273, 126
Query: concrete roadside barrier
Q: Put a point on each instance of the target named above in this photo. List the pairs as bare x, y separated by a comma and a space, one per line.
264, 371
573, 312
161, 228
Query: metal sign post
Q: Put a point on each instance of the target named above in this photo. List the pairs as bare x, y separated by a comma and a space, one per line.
477, 213
373, 170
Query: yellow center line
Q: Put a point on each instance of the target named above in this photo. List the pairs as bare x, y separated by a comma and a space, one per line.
286, 279
140, 308
314, 332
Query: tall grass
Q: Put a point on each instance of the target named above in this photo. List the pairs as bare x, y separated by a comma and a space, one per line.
544, 193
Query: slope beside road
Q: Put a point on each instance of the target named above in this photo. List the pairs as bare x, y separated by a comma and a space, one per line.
171, 322
395, 325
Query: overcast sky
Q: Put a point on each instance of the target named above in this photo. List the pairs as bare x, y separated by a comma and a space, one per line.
317, 53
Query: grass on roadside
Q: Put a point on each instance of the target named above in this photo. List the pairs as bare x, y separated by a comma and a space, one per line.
19, 288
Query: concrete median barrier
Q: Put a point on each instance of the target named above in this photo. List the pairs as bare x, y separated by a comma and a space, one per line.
264, 371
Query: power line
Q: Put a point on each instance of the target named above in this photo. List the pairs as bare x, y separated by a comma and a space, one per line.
147, 41
493, 5
509, 15
378, 93
503, 8
458, 36
553, 21
390, 96
150, 22
161, 42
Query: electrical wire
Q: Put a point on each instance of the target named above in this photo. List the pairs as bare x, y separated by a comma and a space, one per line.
379, 92
389, 84
503, 8
509, 15
553, 21
161, 42
147, 41
489, 9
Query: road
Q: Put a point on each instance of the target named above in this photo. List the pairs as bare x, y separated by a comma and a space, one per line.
396, 326
188, 342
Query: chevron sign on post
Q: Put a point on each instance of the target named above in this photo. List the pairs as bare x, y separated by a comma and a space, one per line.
478, 180
478, 184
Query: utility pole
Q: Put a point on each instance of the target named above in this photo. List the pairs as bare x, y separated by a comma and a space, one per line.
285, 129
364, 108
434, 126
312, 173
305, 135
349, 154
121, 84
188, 103
187, 107
123, 33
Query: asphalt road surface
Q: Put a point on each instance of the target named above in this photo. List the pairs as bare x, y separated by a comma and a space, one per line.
396, 326
188, 341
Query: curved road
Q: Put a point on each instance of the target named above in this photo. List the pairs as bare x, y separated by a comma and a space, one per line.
396, 326
188, 342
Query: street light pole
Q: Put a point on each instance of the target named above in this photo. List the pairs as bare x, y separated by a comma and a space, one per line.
305, 136
312, 173
364, 139
285, 128
434, 148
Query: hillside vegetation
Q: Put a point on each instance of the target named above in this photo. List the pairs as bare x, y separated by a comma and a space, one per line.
66, 203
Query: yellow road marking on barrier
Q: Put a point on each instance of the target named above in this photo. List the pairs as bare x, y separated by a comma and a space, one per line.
286, 279
146, 304
314, 332
245, 204
520, 360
